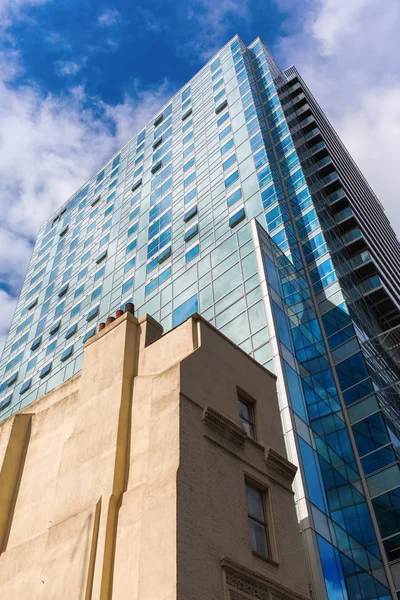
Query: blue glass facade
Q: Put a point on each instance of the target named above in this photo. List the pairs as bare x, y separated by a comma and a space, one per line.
237, 201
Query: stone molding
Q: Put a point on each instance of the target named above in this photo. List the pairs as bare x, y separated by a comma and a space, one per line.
215, 419
280, 465
243, 583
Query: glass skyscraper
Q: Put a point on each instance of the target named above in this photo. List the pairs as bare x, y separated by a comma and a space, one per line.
239, 201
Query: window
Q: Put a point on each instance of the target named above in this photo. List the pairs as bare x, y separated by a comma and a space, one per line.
232, 178
257, 522
92, 313
223, 104
67, 353
54, 328
45, 371
89, 334
190, 233
36, 343
101, 256
136, 185
25, 386
236, 218
71, 331
5, 402
190, 213
185, 310
246, 415
192, 253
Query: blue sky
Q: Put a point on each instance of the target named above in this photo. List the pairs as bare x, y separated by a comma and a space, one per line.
77, 79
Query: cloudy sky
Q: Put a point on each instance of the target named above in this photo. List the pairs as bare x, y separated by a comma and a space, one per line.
78, 78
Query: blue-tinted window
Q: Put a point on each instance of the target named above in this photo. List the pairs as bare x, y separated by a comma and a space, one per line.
67, 353
229, 162
225, 132
237, 218
370, 434
184, 311
377, 460
188, 150
190, 195
92, 313
283, 327
101, 256
130, 247
89, 334
79, 291
96, 293
129, 265
185, 94
45, 371
5, 402
222, 119
387, 511
333, 573
190, 213
71, 331
99, 274
127, 285
232, 178
214, 66
192, 253
36, 343
352, 370
25, 386
190, 233
227, 146
189, 179
76, 309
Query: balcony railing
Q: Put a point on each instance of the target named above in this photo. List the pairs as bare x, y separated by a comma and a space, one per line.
344, 214
351, 236
310, 134
335, 196
360, 260
370, 285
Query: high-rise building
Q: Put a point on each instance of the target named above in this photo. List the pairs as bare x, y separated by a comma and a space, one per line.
158, 472
239, 201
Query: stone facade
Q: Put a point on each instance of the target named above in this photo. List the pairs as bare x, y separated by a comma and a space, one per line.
128, 481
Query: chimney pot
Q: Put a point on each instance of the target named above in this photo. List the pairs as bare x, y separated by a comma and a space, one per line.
129, 307
109, 320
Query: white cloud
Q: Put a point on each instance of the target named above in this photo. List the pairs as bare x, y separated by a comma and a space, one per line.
49, 146
348, 54
109, 18
213, 21
69, 67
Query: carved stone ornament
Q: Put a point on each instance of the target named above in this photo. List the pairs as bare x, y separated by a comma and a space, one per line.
213, 418
242, 583
281, 465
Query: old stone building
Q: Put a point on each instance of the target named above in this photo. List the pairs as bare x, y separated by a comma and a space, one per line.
158, 473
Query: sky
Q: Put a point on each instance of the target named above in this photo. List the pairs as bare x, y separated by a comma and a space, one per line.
79, 78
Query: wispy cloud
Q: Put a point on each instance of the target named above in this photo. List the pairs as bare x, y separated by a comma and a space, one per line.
348, 54
109, 18
213, 21
69, 67
63, 144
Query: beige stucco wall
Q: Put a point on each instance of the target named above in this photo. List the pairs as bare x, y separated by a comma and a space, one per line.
127, 482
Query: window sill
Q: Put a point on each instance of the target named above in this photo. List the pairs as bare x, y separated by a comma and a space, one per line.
267, 559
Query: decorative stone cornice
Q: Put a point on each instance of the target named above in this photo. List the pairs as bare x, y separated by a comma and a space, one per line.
245, 583
213, 418
280, 465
